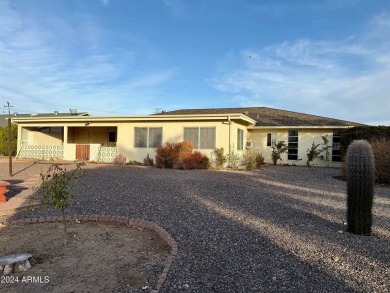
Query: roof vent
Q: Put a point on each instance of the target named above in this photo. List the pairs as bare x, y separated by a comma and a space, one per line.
55, 112
34, 114
246, 113
15, 114
73, 111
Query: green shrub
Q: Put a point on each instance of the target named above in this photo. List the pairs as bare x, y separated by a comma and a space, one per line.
381, 150
179, 155
148, 161
134, 163
259, 160
249, 160
56, 188
219, 157
360, 187
312, 153
369, 133
4, 139
277, 150
373, 134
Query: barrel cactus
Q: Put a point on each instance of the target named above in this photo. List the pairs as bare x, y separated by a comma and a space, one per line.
360, 187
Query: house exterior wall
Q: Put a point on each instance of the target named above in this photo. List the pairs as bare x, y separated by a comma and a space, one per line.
305, 139
171, 132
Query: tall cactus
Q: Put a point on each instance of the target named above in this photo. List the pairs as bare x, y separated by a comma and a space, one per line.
360, 187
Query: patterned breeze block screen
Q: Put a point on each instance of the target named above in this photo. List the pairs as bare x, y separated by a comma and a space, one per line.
106, 154
42, 152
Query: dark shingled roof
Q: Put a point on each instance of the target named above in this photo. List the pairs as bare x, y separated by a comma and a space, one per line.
270, 117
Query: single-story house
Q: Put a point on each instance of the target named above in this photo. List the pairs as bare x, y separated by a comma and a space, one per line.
101, 138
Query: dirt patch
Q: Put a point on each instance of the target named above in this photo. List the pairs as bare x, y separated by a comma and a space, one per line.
98, 257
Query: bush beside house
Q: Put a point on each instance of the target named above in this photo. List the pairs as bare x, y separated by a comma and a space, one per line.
379, 138
180, 155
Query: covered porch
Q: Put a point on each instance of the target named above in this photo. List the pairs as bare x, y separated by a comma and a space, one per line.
83, 143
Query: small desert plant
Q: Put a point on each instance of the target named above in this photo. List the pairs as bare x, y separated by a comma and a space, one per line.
360, 187
325, 148
134, 163
259, 160
249, 159
120, 159
312, 153
277, 150
219, 157
148, 161
233, 159
56, 188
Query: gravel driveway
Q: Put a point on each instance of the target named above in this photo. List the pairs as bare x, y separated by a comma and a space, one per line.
279, 229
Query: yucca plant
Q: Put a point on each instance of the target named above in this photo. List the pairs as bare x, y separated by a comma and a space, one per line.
360, 187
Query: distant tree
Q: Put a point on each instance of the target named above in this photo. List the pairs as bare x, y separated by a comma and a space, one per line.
4, 139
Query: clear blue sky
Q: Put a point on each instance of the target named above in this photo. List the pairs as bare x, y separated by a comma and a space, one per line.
114, 57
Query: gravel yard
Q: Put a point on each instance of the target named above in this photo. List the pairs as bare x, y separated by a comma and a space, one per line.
273, 230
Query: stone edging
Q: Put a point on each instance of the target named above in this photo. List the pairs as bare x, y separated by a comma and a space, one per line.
120, 220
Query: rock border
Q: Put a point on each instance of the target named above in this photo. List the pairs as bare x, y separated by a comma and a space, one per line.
130, 222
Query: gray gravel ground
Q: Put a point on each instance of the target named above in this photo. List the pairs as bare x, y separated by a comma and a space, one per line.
280, 229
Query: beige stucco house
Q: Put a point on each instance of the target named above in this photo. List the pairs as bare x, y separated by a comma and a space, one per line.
101, 138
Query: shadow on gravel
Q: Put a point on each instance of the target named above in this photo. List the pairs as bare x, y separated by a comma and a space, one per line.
14, 189
24, 169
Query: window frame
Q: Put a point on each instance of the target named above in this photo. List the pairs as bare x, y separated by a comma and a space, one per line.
199, 143
147, 145
293, 145
240, 139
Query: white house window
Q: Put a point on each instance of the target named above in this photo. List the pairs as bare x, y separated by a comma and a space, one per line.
271, 139
200, 137
292, 152
147, 137
240, 139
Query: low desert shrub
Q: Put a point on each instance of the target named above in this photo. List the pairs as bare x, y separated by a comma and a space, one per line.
120, 159
249, 160
219, 157
233, 159
259, 160
180, 155
148, 161
381, 150
196, 160
134, 163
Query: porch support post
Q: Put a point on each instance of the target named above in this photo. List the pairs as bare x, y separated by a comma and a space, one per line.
65, 135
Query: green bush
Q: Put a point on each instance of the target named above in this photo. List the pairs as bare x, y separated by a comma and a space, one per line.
374, 135
4, 139
381, 150
277, 150
312, 153
219, 157
180, 155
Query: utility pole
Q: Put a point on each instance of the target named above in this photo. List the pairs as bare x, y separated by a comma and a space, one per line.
9, 139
